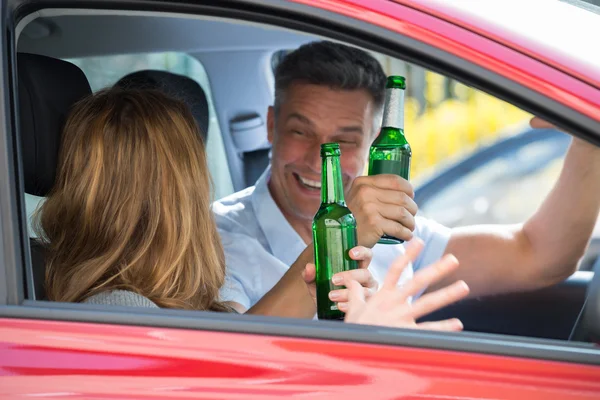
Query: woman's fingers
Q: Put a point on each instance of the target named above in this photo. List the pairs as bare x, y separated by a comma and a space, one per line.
388, 306
356, 302
309, 273
452, 324
412, 250
431, 302
429, 275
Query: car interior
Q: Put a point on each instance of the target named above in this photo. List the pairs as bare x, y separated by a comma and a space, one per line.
230, 107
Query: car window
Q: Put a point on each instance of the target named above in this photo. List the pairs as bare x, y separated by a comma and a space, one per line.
445, 121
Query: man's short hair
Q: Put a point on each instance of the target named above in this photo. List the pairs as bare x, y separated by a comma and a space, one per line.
330, 64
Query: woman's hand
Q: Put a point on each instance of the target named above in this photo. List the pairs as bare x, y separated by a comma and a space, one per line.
361, 277
390, 307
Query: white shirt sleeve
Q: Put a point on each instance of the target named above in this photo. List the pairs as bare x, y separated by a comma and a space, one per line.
243, 275
435, 236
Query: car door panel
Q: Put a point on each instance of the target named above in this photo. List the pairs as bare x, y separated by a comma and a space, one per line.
76, 360
86, 360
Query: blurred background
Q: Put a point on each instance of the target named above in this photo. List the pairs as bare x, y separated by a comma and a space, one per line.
445, 119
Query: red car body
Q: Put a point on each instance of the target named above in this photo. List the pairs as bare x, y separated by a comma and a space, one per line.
76, 360
91, 361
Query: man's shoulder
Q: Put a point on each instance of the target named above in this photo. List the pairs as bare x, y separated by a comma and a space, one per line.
234, 206
234, 201
426, 227
235, 213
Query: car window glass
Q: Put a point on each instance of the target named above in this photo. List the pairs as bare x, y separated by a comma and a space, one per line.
506, 189
444, 122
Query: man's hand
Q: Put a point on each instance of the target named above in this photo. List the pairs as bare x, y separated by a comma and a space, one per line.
382, 204
389, 306
361, 276
538, 123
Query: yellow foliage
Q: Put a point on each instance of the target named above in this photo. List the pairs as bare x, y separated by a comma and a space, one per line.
455, 126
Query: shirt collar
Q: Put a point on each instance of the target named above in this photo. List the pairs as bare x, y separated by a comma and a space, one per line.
285, 243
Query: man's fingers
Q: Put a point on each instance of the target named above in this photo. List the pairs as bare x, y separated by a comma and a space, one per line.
453, 324
399, 214
397, 200
342, 295
369, 193
538, 123
430, 275
387, 197
387, 181
412, 250
309, 273
431, 302
396, 229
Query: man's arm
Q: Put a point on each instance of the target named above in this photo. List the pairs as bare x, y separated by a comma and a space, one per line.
290, 296
547, 247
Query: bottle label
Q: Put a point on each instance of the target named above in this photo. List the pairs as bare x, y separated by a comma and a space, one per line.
393, 113
340, 239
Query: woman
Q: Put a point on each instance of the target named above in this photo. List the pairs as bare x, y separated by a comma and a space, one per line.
128, 221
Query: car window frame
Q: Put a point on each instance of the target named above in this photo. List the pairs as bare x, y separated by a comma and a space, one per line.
325, 23
13, 255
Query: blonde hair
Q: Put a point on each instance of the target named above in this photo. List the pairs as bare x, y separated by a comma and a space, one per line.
130, 208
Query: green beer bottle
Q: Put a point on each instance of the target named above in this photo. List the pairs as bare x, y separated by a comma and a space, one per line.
334, 232
390, 152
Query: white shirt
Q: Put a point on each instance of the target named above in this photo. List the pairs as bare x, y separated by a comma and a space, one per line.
260, 244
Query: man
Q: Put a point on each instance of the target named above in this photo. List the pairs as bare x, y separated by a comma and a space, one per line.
327, 92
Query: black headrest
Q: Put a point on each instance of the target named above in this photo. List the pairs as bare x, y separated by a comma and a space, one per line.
48, 88
178, 86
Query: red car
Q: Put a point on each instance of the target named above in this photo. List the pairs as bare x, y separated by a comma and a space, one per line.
539, 55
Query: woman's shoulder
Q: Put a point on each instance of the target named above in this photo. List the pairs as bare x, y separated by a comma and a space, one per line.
120, 298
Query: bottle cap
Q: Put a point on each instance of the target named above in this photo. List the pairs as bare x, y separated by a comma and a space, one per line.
395, 82
330, 149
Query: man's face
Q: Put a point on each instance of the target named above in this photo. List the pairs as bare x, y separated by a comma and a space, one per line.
310, 115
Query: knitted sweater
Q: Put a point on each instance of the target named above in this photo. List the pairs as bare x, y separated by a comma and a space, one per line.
120, 298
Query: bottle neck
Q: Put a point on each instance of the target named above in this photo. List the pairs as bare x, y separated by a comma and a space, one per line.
332, 189
393, 112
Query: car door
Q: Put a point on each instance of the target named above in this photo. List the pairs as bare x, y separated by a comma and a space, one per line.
81, 351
